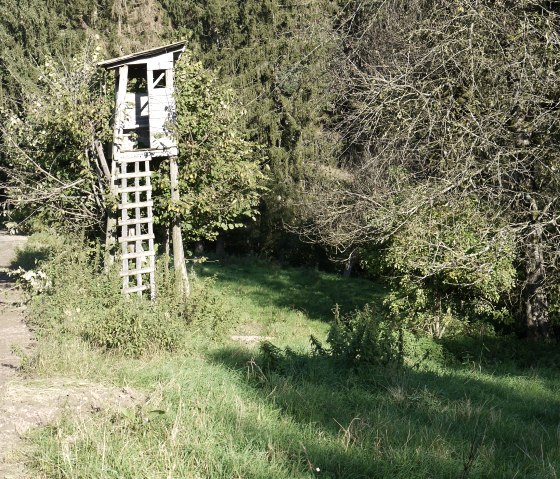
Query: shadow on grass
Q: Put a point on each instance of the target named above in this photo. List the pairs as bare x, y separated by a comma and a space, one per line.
29, 257
326, 456
5, 278
505, 352
304, 289
24, 258
403, 423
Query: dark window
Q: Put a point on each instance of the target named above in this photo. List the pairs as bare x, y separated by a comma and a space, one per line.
137, 79
159, 79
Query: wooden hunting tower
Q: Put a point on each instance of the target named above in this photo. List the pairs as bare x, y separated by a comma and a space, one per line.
144, 110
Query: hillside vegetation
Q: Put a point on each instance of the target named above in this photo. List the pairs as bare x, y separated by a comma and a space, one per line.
415, 140
380, 183
220, 408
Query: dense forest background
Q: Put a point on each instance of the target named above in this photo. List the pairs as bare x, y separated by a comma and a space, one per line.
417, 141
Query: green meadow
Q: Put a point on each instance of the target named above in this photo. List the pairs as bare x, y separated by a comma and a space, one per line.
217, 407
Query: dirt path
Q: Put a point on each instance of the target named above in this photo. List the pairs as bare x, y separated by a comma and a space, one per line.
27, 402
13, 333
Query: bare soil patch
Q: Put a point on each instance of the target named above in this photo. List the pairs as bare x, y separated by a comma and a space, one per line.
13, 332
29, 403
251, 339
26, 402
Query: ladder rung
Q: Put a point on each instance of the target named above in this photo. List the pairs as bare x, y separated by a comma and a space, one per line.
140, 254
142, 204
135, 221
134, 174
134, 189
134, 272
127, 239
135, 289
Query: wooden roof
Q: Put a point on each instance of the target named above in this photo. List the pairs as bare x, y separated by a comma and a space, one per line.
116, 62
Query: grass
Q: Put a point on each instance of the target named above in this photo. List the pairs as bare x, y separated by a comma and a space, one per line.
286, 303
260, 284
215, 411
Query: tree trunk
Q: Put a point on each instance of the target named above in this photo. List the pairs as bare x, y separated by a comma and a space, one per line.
110, 241
177, 237
349, 265
220, 245
111, 231
534, 294
166, 249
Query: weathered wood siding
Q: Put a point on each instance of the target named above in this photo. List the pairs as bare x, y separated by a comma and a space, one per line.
143, 119
161, 101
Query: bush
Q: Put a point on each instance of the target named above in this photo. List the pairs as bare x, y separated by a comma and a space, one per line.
363, 336
450, 265
86, 301
133, 326
367, 337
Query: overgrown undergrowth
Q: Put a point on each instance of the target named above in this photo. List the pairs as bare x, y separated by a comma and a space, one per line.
73, 296
216, 408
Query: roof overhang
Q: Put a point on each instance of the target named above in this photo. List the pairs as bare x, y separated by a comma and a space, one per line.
117, 62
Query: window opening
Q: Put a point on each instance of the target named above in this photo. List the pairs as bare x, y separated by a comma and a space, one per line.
137, 79
159, 79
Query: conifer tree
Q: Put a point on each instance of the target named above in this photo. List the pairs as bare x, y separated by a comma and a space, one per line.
277, 59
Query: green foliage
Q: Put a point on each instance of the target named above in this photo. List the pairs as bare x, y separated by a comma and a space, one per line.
368, 337
38, 248
86, 302
451, 265
491, 350
208, 311
219, 171
50, 165
251, 284
456, 245
212, 411
275, 57
30, 31
462, 124
278, 59
365, 337
133, 327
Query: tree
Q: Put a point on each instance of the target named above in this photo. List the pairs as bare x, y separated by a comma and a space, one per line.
443, 104
276, 57
217, 172
50, 144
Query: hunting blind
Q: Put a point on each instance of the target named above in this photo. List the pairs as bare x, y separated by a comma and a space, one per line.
144, 110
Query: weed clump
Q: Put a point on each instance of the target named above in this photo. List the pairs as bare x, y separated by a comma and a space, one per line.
133, 326
85, 301
367, 337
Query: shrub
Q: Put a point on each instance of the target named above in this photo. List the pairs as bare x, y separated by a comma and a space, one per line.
450, 265
363, 336
85, 300
367, 337
133, 326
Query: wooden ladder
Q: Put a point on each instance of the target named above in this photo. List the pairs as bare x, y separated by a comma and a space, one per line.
134, 191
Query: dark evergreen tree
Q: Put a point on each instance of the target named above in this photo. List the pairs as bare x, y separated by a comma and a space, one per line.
277, 59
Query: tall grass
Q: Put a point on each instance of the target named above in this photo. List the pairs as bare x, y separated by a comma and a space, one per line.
217, 408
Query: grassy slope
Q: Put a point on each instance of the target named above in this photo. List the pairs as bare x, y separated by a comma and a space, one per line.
288, 304
214, 413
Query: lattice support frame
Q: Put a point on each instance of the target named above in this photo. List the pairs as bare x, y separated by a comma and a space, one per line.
135, 223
